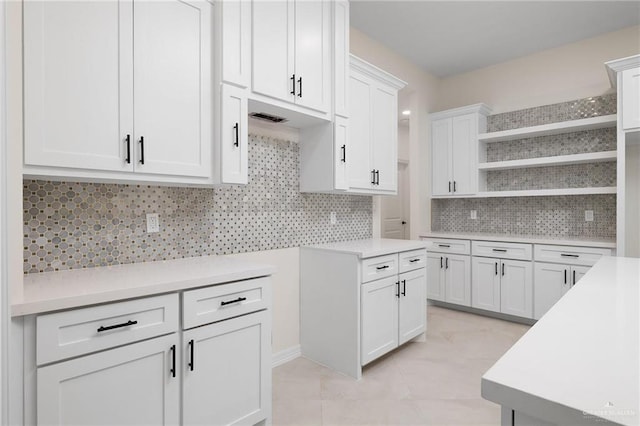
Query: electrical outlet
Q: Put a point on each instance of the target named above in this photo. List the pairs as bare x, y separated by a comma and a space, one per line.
474, 214
333, 218
153, 222
588, 215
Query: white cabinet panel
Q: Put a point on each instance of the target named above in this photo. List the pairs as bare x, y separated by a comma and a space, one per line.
485, 287
458, 280
516, 288
359, 148
440, 148
341, 57
586, 256
464, 153
78, 90
340, 142
515, 251
379, 311
235, 43
130, 385
551, 283
631, 99
446, 245
384, 137
412, 305
234, 138
435, 276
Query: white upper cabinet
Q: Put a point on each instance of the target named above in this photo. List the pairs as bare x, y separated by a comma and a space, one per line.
234, 137
234, 26
454, 146
341, 57
291, 59
631, 98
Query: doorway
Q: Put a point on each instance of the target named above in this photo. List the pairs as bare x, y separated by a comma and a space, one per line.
394, 210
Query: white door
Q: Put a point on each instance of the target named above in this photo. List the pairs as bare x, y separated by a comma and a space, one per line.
359, 146
313, 54
227, 372
130, 385
384, 137
441, 156
340, 141
435, 276
172, 87
413, 305
631, 99
379, 316
458, 279
234, 138
516, 291
394, 209
272, 60
578, 272
485, 283
78, 87
235, 24
550, 283
463, 153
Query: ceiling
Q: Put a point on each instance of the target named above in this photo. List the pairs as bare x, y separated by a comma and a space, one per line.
451, 37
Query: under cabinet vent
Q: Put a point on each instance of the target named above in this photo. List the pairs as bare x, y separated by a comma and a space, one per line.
267, 117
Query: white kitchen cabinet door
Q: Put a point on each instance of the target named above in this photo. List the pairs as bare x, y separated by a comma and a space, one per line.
340, 142
551, 282
272, 60
359, 146
341, 49
227, 372
631, 99
172, 87
312, 53
130, 385
435, 276
379, 316
463, 154
516, 291
458, 280
234, 137
78, 90
485, 283
441, 154
235, 43
578, 272
384, 113
413, 305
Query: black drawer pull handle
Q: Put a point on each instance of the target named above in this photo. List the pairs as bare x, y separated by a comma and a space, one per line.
496, 268
503, 269
238, 300
112, 327
565, 276
128, 140
444, 245
500, 250
141, 149
414, 260
574, 277
191, 360
173, 361
446, 263
236, 128
569, 255
398, 289
404, 287
382, 267
344, 153
440, 262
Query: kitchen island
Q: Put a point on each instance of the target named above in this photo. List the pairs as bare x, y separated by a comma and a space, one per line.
580, 363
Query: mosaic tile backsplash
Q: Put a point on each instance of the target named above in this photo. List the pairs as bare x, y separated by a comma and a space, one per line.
554, 177
83, 225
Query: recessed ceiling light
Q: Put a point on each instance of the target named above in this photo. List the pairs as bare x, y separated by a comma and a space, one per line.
406, 112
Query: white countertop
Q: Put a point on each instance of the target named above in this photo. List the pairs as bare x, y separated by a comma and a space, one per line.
51, 291
560, 241
371, 247
582, 357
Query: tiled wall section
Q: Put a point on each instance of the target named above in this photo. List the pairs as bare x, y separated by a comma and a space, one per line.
567, 176
81, 225
541, 216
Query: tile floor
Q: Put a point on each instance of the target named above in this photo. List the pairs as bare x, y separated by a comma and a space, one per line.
432, 383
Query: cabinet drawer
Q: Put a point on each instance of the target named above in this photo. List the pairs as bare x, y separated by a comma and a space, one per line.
379, 267
569, 255
446, 245
411, 260
515, 251
71, 333
216, 303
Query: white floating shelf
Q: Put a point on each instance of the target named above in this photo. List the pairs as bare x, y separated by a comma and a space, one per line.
592, 123
560, 160
548, 192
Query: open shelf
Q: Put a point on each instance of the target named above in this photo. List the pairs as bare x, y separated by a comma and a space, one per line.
548, 192
559, 160
570, 126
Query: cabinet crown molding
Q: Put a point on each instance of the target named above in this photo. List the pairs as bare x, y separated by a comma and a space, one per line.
366, 68
480, 108
618, 65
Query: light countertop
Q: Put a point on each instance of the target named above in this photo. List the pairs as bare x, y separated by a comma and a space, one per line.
580, 362
561, 241
51, 291
371, 247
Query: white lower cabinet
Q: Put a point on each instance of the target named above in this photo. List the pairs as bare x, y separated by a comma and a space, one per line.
486, 284
502, 285
552, 281
449, 278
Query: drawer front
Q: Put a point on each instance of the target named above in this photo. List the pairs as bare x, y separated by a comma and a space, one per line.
516, 251
412, 260
569, 255
379, 267
76, 332
446, 245
216, 303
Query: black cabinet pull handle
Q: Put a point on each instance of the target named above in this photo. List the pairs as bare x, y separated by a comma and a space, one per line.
496, 268
446, 263
300, 87
569, 255
440, 262
173, 361
191, 359
112, 327
293, 85
444, 245
344, 153
377, 177
574, 277
141, 149
128, 139
565, 276
449, 186
238, 300
454, 186
382, 267
237, 129
404, 287
373, 176
500, 250
414, 260
398, 289
503, 269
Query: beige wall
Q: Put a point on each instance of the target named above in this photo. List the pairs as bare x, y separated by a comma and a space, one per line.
569, 72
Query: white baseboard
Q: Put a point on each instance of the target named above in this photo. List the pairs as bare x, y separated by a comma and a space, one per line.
286, 355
